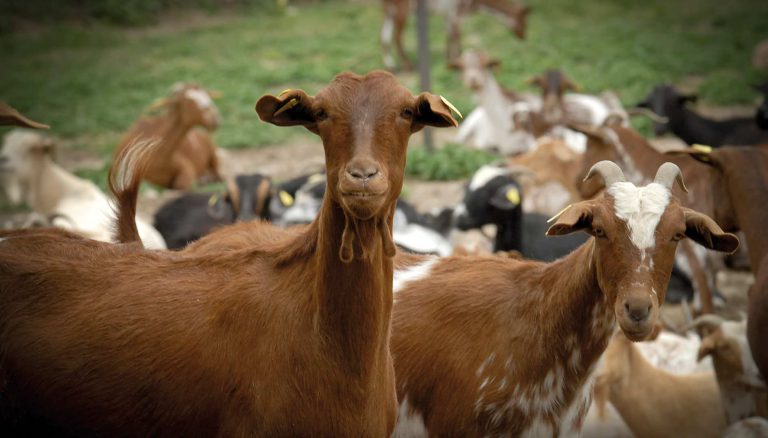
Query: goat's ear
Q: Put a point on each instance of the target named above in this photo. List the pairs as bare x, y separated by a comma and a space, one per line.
493, 63
538, 81
707, 347
700, 153
10, 116
687, 98
290, 108
431, 110
568, 84
506, 197
456, 64
573, 218
704, 231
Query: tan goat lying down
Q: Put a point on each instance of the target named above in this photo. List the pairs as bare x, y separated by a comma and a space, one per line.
286, 338
30, 175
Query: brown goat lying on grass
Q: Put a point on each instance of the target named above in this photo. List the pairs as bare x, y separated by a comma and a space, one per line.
287, 338
185, 154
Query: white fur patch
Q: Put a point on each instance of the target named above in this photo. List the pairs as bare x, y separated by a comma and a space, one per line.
2, 239
484, 175
387, 29
409, 424
201, 98
412, 273
641, 208
569, 420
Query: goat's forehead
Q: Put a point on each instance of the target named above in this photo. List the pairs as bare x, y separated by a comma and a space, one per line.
200, 97
377, 89
641, 208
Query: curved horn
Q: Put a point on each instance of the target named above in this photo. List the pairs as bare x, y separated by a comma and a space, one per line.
710, 321
637, 111
668, 174
610, 172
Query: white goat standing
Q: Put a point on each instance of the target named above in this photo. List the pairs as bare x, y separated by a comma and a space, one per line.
29, 175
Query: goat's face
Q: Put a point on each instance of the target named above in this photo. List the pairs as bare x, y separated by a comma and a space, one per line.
475, 69
553, 84
21, 158
365, 123
492, 197
636, 230
665, 101
195, 106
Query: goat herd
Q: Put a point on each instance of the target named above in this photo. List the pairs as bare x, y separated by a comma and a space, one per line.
356, 320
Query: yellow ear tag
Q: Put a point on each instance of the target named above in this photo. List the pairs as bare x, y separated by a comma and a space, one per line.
286, 198
213, 199
291, 103
451, 107
560, 213
702, 148
287, 90
513, 195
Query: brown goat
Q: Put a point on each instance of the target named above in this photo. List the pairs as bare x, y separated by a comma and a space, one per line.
184, 154
288, 338
396, 12
738, 182
496, 346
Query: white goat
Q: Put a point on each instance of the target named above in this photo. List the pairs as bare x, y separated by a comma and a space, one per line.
30, 175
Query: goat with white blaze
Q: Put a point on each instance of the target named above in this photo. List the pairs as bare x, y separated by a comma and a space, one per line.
492, 345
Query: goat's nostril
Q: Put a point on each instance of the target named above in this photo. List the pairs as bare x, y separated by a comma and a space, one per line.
363, 173
626, 306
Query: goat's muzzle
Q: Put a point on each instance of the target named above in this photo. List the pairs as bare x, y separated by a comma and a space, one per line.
363, 188
636, 313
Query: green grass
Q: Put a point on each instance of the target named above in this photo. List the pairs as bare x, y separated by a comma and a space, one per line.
91, 82
452, 161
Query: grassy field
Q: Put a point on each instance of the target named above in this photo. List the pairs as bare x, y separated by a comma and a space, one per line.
90, 83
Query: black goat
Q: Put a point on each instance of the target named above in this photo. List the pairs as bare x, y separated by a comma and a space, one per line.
693, 128
193, 215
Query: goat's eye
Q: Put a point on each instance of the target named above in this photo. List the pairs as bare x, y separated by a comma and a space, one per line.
677, 237
407, 113
599, 232
320, 115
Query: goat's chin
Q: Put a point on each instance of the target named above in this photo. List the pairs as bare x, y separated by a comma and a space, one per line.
636, 332
363, 207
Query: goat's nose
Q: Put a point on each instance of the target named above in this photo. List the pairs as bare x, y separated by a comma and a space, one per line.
637, 309
362, 171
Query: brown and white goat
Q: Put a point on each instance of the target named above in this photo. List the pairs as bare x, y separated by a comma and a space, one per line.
491, 124
289, 338
184, 154
492, 345
654, 402
738, 182
742, 389
396, 12
640, 159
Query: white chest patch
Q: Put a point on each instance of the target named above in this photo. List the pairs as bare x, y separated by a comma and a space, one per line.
484, 175
409, 424
641, 208
412, 273
201, 98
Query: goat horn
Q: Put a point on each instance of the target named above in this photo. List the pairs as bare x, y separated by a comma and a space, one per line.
609, 170
709, 320
668, 174
637, 111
